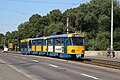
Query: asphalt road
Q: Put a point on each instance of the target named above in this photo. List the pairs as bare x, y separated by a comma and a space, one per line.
24, 67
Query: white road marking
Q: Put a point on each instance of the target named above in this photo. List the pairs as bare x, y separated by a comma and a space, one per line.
89, 76
35, 60
23, 58
53, 65
3, 61
15, 56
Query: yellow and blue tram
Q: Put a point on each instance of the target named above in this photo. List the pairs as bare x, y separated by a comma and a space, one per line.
62, 46
66, 45
25, 46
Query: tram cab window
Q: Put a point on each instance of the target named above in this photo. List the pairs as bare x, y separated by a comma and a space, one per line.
21, 45
69, 41
77, 41
24, 45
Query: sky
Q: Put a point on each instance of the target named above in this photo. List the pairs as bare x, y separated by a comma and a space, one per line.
15, 12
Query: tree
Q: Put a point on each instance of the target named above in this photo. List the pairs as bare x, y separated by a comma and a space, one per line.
71, 14
102, 41
86, 22
37, 25
117, 39
1, 38
104, 23
55, 16
24, 30
53, 28
14, 38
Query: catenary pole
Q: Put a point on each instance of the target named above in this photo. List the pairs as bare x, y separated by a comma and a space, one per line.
67, 25
112, 25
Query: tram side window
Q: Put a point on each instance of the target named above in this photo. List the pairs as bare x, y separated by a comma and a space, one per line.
33, 42
45, 42
50, 42
59, 41
39, 42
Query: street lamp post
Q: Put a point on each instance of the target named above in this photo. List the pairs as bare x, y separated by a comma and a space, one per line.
111, 25
67, 25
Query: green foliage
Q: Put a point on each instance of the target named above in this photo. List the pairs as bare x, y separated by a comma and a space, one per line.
70, 13
104, 23
36, 25
1, 38
24, 30
55, 16
53, 28
102, 41
117, 39
99, 41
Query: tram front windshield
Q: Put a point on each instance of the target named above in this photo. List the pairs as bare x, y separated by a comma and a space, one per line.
24, 45
77, 41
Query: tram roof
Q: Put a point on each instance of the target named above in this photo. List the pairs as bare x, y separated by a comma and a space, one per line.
66, 35
54, 36
38, 38
25, 40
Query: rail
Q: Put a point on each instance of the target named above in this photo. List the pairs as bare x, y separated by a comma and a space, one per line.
104, 63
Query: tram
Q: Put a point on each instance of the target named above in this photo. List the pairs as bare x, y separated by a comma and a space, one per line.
62, 46
66, 45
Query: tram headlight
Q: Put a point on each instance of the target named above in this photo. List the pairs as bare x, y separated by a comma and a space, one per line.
73, 51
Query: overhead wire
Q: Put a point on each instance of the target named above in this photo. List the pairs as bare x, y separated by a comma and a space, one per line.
38, 2
10, 10
43, 2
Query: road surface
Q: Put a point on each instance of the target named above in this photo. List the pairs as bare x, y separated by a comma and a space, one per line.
24, 67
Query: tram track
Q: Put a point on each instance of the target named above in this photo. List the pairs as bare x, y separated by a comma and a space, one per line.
98, 62
104, 63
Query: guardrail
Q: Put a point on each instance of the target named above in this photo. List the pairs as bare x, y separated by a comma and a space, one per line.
101, 53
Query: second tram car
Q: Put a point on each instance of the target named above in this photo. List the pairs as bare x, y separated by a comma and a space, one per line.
39, 46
